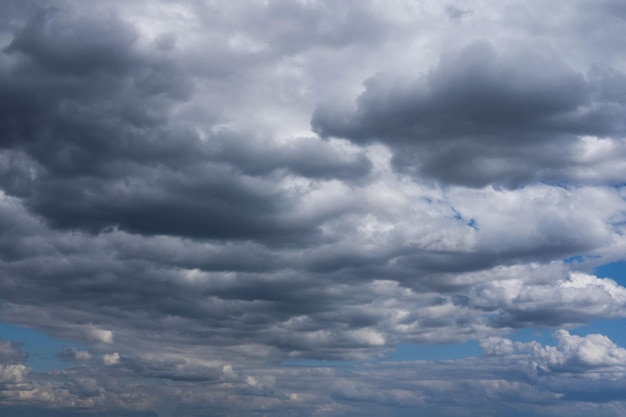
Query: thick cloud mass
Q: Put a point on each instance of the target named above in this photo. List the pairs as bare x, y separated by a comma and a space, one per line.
209, 200
484, 117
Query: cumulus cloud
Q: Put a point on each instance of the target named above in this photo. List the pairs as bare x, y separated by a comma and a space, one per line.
572, 353
571, 300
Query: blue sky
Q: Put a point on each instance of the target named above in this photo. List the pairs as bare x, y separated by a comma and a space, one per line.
311, 207
42, 349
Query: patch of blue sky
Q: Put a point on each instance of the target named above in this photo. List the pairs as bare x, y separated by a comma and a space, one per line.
414, 352
613, 270
42, 349
576, 259
611, 328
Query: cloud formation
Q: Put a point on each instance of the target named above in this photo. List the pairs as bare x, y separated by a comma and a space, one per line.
211, 201
482, 117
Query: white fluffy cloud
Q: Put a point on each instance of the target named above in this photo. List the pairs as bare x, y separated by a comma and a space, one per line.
591, 353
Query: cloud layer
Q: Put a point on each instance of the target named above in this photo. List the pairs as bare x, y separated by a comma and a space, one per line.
211, 198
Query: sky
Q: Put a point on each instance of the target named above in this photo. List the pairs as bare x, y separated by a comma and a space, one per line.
312, 208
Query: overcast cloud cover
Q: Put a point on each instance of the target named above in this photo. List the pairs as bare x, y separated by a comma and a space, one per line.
211, 202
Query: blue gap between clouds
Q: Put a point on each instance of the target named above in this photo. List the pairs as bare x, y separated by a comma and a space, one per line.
412, 352
42, 349
614, 270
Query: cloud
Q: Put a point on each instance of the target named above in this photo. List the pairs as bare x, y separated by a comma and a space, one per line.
583, 368
306, 157
455, 13
11, 353
219, 201
97, 132
572, 354
73, 354
99, 335
15, 375
482, 116
565, 302
60, 44
111, 359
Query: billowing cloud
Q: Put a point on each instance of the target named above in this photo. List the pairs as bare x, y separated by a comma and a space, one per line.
482, 116
572, 354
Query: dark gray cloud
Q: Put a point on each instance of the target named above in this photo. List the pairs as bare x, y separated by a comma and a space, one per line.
482, 116
89, 143
69, 46
307, 157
